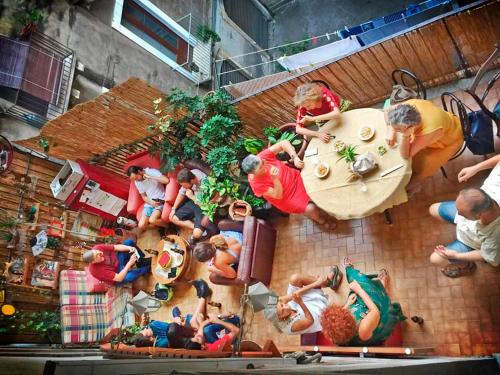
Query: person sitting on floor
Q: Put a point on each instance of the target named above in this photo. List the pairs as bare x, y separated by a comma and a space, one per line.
223, 251
299, 311
476, 213
316, 99
368, 317
150, 183
281, 185
114, 264
429, 136
186, 209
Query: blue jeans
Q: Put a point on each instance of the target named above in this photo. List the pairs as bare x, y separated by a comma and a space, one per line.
448, 211
134, 273
210, 331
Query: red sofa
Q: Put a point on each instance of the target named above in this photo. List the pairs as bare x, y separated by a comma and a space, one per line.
135, 203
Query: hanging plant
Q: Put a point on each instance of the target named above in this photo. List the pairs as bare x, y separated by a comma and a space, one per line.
206, 34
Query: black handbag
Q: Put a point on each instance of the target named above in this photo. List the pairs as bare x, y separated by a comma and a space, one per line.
479, 137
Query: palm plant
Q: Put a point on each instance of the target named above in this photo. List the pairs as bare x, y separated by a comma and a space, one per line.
348, 154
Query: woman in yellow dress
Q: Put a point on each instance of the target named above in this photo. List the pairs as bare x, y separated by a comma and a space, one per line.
429, 136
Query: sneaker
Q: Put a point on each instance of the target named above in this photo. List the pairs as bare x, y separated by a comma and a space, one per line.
176, 312
202, 288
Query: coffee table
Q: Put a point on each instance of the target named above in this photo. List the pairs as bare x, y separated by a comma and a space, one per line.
181, 270
374, 193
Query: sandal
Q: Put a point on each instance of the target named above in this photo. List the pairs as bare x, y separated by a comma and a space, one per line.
383, 274
335, 281
347, 262
458, 270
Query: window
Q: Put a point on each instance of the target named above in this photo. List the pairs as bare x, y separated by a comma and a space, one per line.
153, 30
250, 19
231, 77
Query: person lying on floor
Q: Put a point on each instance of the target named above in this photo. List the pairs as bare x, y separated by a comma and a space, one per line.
368, 317
222, 252
114, 264
299, 311
476, 214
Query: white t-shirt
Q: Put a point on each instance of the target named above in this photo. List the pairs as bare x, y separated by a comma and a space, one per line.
200, 176
492, 184
153, 189
485, 238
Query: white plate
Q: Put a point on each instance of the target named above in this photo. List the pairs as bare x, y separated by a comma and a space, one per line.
372, 133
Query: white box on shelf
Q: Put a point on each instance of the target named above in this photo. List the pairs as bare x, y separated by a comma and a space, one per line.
66, 180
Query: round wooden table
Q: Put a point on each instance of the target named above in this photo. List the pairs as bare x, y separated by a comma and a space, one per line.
371, 194
160, 274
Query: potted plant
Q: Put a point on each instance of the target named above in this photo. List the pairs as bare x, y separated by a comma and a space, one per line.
47, 324
214, 194
286, 132
8, 231
349, 154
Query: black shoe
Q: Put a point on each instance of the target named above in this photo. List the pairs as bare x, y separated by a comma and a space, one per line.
202, 288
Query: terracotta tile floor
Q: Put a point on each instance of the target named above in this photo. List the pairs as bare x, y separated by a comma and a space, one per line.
462, 316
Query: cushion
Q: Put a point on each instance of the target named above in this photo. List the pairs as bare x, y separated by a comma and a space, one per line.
118, 308
94, 285
73, 289
83, 323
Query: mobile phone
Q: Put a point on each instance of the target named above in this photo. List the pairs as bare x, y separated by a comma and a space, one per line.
137, 254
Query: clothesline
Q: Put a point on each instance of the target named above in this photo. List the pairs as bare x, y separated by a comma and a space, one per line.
327, 36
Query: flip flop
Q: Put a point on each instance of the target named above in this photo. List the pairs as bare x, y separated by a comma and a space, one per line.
334, 283
457, 270
347, 262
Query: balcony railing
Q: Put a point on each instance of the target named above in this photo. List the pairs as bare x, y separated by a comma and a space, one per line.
35, 78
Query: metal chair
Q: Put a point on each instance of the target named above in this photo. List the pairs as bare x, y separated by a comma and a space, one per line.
458, 108
479, 99
401, 76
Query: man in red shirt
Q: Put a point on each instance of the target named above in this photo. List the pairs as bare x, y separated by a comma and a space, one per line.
114, 264
281, 185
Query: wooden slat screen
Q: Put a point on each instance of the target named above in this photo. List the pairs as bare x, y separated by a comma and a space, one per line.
439, 52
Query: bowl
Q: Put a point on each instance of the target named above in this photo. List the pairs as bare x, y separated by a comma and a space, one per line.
366, 132
165, 260
321, 170
338, 146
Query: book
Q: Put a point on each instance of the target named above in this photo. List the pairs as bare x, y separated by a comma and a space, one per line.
45, 273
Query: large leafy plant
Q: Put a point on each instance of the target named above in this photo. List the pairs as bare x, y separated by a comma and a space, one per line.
219, 160
213, 190
274, 136
218, 130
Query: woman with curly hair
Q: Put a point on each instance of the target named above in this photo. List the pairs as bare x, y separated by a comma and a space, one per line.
368, 317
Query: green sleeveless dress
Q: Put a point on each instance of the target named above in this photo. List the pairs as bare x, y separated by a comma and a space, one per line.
390, 313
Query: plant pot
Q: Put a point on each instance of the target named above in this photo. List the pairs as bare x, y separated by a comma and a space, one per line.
239, 209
